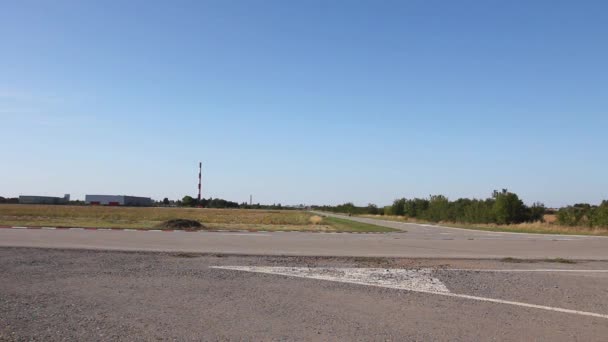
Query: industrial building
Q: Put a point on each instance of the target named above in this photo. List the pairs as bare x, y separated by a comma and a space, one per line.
112, 200
44, 199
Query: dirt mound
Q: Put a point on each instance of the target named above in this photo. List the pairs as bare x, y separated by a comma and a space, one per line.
181, 224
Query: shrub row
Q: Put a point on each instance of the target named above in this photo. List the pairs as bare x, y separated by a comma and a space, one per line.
584, 215
503, 207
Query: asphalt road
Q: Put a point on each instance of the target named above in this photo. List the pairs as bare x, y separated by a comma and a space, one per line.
416, 241
85, 295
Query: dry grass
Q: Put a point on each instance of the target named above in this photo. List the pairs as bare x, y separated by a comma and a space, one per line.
392, 218
547, 227
142, 217
532, 261
136, 218
315, 219
550, 218
534, 227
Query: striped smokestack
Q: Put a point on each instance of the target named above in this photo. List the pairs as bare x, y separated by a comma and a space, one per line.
200, 178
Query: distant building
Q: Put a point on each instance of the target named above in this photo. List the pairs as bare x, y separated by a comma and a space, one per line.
44, 199
112, 200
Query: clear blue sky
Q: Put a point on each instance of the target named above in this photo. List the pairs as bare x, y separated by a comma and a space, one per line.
305, 101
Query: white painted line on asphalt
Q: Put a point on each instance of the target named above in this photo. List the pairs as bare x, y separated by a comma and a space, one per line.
403, 279
129, 230
48, 228
526, 305
416, 280
153, 230
76, 228
19, 227
523, 270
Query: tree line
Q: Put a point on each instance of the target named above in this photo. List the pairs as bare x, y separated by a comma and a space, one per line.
218, 203
584, 214
503, 207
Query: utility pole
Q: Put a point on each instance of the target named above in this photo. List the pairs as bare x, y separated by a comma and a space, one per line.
250, 200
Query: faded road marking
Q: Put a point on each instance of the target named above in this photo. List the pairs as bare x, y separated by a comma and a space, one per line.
416, 280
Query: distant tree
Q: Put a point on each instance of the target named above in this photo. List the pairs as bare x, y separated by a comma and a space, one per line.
372, 209
599, 215
399, 207
166, 201
188, 201
388, 210
438, 209
508, 208
536, 212
416, 207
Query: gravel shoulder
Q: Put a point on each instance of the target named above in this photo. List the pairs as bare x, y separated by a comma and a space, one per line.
53, 295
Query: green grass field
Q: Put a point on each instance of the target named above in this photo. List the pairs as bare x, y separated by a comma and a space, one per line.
149, 218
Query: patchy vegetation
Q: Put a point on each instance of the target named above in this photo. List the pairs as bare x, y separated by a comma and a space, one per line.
316, 219
504, 211
181, 224
584, 215
503, 207
353, 226
168, 218
531, 261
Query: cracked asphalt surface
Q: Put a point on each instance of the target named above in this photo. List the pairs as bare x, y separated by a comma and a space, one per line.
87, 295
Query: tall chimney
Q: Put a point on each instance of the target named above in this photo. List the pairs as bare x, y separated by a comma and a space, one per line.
200, 178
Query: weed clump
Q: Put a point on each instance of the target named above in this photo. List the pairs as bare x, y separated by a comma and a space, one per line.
315, 220
181, 224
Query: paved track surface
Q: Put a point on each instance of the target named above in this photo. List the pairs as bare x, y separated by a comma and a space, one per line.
85, 295
421, 241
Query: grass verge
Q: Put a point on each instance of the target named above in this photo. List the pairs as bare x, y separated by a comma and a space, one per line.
531, 261
148, 218
533, 228
529, 227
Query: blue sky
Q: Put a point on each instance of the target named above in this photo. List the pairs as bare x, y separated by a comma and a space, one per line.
305, 101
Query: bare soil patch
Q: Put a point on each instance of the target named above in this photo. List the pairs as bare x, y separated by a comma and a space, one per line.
181, 224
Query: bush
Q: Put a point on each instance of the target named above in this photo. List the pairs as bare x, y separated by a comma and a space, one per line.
438, 209
181, 224
372, 209
508, 208
315, 220
399, 207
599, 216
536, 212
